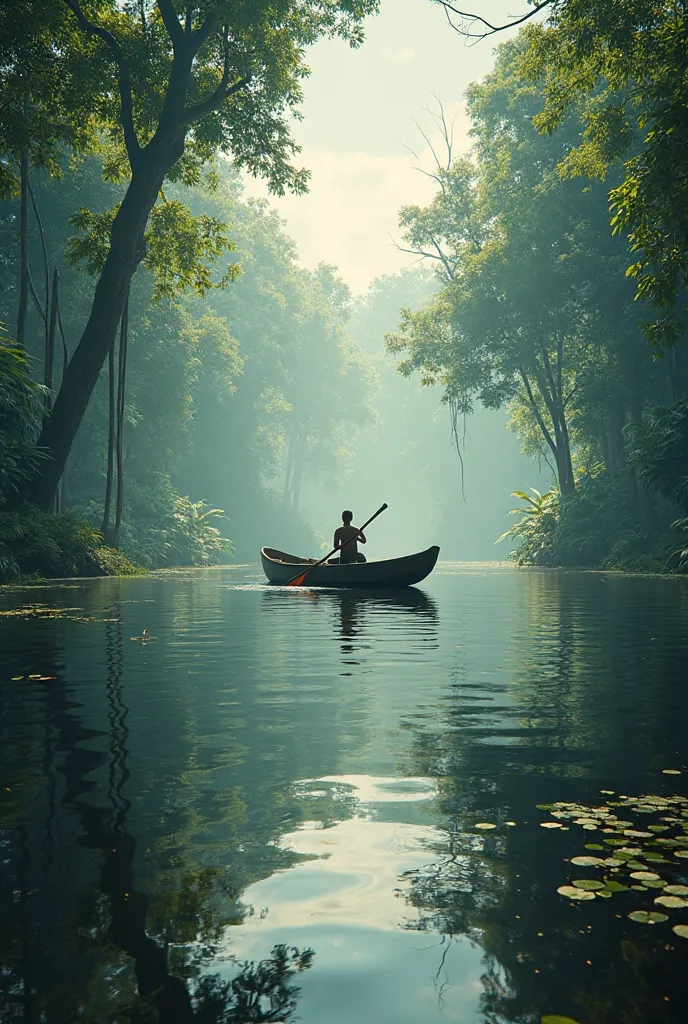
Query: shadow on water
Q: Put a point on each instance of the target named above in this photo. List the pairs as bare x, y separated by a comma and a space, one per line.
55, 984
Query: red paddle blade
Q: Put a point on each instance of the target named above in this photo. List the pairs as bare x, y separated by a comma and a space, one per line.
297, 581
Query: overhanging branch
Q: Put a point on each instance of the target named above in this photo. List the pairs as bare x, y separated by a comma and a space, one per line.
469, 19
127, 104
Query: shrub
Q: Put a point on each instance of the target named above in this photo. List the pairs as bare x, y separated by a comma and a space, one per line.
33, 542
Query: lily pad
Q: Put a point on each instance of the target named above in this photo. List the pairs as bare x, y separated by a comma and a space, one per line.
655, 883
671, 901
594, 846
587, 862
680, 930
556, 1018
670, 771
644, 876
572, 893
677, 890
485, 825
681, 853
616, 887
639, 888
590, 884
647, 917
550, 824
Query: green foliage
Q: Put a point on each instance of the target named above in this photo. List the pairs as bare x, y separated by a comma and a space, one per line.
625, 62
20, 399
658, 451
529, 271
181, 250
601, 525
36, 543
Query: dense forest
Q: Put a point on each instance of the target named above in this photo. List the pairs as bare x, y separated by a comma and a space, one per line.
176, 388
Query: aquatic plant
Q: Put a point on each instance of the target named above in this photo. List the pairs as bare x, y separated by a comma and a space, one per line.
641, 847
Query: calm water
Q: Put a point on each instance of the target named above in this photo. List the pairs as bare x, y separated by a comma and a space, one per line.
306, 770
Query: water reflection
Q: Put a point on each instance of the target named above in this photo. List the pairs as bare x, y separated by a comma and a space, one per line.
178, 820
103, 950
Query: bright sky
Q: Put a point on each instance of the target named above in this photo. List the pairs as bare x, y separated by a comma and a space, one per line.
359, 112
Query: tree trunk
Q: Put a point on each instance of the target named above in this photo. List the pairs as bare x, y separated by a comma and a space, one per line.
125, 254
121, 383
23, 249
49, 365
110, 444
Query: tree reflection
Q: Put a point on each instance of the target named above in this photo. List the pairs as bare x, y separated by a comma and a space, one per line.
566, 738
141, 956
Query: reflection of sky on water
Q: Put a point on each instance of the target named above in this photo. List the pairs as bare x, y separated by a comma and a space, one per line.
347, 902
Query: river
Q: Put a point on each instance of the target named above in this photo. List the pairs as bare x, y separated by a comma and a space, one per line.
225, 802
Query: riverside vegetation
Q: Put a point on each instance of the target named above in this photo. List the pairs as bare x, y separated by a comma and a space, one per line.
170, 374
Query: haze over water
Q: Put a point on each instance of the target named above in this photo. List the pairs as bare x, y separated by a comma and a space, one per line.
309, 768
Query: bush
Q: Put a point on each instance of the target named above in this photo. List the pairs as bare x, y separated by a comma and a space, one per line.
36, 543
603, 525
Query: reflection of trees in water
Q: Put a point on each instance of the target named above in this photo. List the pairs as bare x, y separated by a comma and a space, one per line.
563, 703
167, 939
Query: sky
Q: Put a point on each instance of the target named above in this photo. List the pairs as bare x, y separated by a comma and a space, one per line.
359, 112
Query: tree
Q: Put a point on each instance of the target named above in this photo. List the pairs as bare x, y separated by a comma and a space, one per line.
527, 265
625, 62
180, 86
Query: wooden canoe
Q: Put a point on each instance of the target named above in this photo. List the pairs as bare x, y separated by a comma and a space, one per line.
280, 567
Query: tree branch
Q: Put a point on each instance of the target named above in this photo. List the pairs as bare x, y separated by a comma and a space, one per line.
171, 22
538, 415
124, 78
469, 19
223, 91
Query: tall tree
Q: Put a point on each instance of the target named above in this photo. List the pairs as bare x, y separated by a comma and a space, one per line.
182, 82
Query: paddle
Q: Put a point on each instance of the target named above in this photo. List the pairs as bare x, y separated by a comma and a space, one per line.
297, 581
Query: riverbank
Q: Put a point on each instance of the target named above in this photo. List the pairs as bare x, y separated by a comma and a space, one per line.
43, 545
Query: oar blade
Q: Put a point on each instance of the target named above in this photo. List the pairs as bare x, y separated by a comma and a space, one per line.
298, 580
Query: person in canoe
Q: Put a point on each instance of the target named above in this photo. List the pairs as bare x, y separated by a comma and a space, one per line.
347, 532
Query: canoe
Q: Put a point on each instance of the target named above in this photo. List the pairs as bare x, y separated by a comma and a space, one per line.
280, 567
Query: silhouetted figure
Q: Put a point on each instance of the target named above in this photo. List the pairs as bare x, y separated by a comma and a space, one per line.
351, 534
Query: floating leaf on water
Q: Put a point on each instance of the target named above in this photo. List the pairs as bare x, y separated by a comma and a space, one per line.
658, 828
671, 901
647, 917
510, 823
550, 824
681, 930
544, 807
636, 834
655, 883
607, 792
639, 888
643, 876
587, 862
635, 865
613, 862
681, 853
593, 846
34, 676
556, 1018
485, 825
588, 884
616, 887
573, 893
677, 890
670, 771
15, 679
